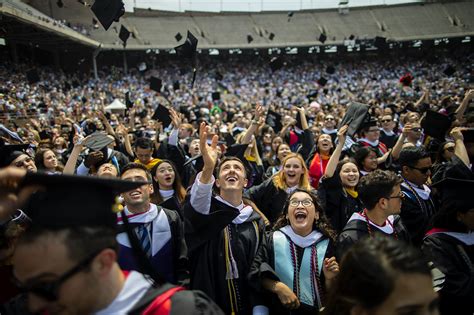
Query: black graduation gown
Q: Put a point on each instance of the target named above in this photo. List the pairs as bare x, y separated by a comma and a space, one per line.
456, 260
187, 302
205, 239
269, 199
173, 204
416, 217
337, 205
389, 141
263, 267
356, 230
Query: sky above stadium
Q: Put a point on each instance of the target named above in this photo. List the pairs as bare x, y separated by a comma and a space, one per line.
251, 5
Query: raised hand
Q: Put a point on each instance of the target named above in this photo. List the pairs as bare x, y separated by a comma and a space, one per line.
341, 134
456, 133
259, 111
209, 152
175, 118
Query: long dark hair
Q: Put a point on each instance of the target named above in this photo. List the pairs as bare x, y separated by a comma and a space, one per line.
179, 190
361, 154
39, 160
439, 158
369, 271
322, 224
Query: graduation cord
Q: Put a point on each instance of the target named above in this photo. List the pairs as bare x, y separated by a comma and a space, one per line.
369, 229
232, 287
315, 280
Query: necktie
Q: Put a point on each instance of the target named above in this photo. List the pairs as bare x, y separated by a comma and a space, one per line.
144, 238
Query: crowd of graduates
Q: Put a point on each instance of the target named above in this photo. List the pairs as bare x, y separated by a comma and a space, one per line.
290, 188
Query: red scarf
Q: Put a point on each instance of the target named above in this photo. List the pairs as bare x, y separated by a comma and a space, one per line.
317, 168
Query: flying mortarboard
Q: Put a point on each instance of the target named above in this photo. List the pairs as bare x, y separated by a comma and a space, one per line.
312, 95
155, 84
216, 96
322, 38
188, 50
330, 70
98, 140
162, 114
274, 120
178, 37
141, 66
237, 150
108, 11
356, 115
176, 85
436, 124
249, 39
124, 34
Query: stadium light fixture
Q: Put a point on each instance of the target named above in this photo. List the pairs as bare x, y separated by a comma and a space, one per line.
466, 39
213, 52
291, 51
330, 49
417, 43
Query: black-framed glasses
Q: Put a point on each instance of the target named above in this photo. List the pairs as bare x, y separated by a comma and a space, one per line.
49, 290
423, 170
450, 149
416, 129
305, 203
385, 120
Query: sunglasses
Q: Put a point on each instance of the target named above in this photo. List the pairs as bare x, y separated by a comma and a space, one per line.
386, 120
329, 119
450, 149
399, 196
422, 170
49, 290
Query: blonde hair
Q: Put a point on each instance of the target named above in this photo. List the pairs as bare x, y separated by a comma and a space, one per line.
279, 179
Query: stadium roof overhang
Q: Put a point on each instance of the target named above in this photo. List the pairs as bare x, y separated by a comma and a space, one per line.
20, 27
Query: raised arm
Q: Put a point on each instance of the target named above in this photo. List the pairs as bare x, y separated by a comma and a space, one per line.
464, 104
332, 164
70, 166
460, 149
304, 121
397, 148
105, 122
253, 125
123, 131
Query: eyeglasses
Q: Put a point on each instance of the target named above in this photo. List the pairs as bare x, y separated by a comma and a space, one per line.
450, 149
329, 118
385, 120
22, 162
399, 196
416, 129
49, 290
422, 170
305, 203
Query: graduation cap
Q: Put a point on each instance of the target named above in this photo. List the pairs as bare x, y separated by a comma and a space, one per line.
98, 140
44, 135
141, 66
449, 70
197, 161
330, 70
436, 124
276, 63
60, 4
108, 11
271, 36
380, 42
456, 193
218, 76
249, 38
162, 114
124, 34
312, 95
32, 76
216, 96
274, 120
356, 115
322, 38
178, 37
188, 50
9, 152
322, 81
290, 15
89, 200
229, 139
155, 84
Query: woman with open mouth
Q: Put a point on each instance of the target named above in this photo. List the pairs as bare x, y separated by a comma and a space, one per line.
295, 265
271, 195
169, 192
337, 190
319, 158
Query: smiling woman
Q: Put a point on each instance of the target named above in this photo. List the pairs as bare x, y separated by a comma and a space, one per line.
295, 266
270, 196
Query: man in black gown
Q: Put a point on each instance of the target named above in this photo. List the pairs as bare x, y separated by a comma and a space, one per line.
222, 232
